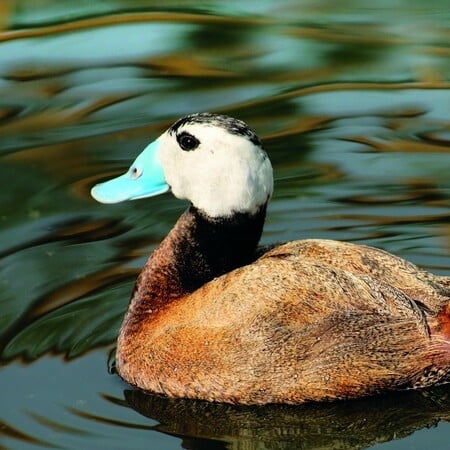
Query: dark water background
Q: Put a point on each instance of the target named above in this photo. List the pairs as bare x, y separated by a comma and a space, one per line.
352, 100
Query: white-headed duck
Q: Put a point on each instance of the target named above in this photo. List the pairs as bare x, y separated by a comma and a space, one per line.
214, 317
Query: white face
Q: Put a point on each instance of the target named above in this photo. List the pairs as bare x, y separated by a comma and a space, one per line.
224, 174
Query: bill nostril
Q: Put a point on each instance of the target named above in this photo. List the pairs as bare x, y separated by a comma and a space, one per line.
135, 172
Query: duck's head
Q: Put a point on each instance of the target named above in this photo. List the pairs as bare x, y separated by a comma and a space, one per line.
214, 161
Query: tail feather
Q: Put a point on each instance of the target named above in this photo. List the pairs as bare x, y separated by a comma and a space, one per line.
444, 322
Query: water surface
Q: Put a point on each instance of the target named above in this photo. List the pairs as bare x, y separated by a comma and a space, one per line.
352, 103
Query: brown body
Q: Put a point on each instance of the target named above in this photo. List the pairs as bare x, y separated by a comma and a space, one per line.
307, 320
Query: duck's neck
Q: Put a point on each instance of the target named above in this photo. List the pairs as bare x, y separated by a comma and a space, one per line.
198, 249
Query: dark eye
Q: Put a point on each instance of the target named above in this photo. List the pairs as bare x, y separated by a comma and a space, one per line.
187, 142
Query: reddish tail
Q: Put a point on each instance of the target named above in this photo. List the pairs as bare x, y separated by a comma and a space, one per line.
444, 322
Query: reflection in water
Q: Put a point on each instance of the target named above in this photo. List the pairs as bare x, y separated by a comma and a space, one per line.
347, 425
352, 105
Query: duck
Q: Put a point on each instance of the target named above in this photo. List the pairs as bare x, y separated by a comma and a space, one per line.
213, 316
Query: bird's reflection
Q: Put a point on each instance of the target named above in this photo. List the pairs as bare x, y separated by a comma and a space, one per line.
352, 424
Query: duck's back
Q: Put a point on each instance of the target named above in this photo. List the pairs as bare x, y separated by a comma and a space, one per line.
309, 320
430, 290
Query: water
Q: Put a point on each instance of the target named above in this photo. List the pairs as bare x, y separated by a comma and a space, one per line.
352, 102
